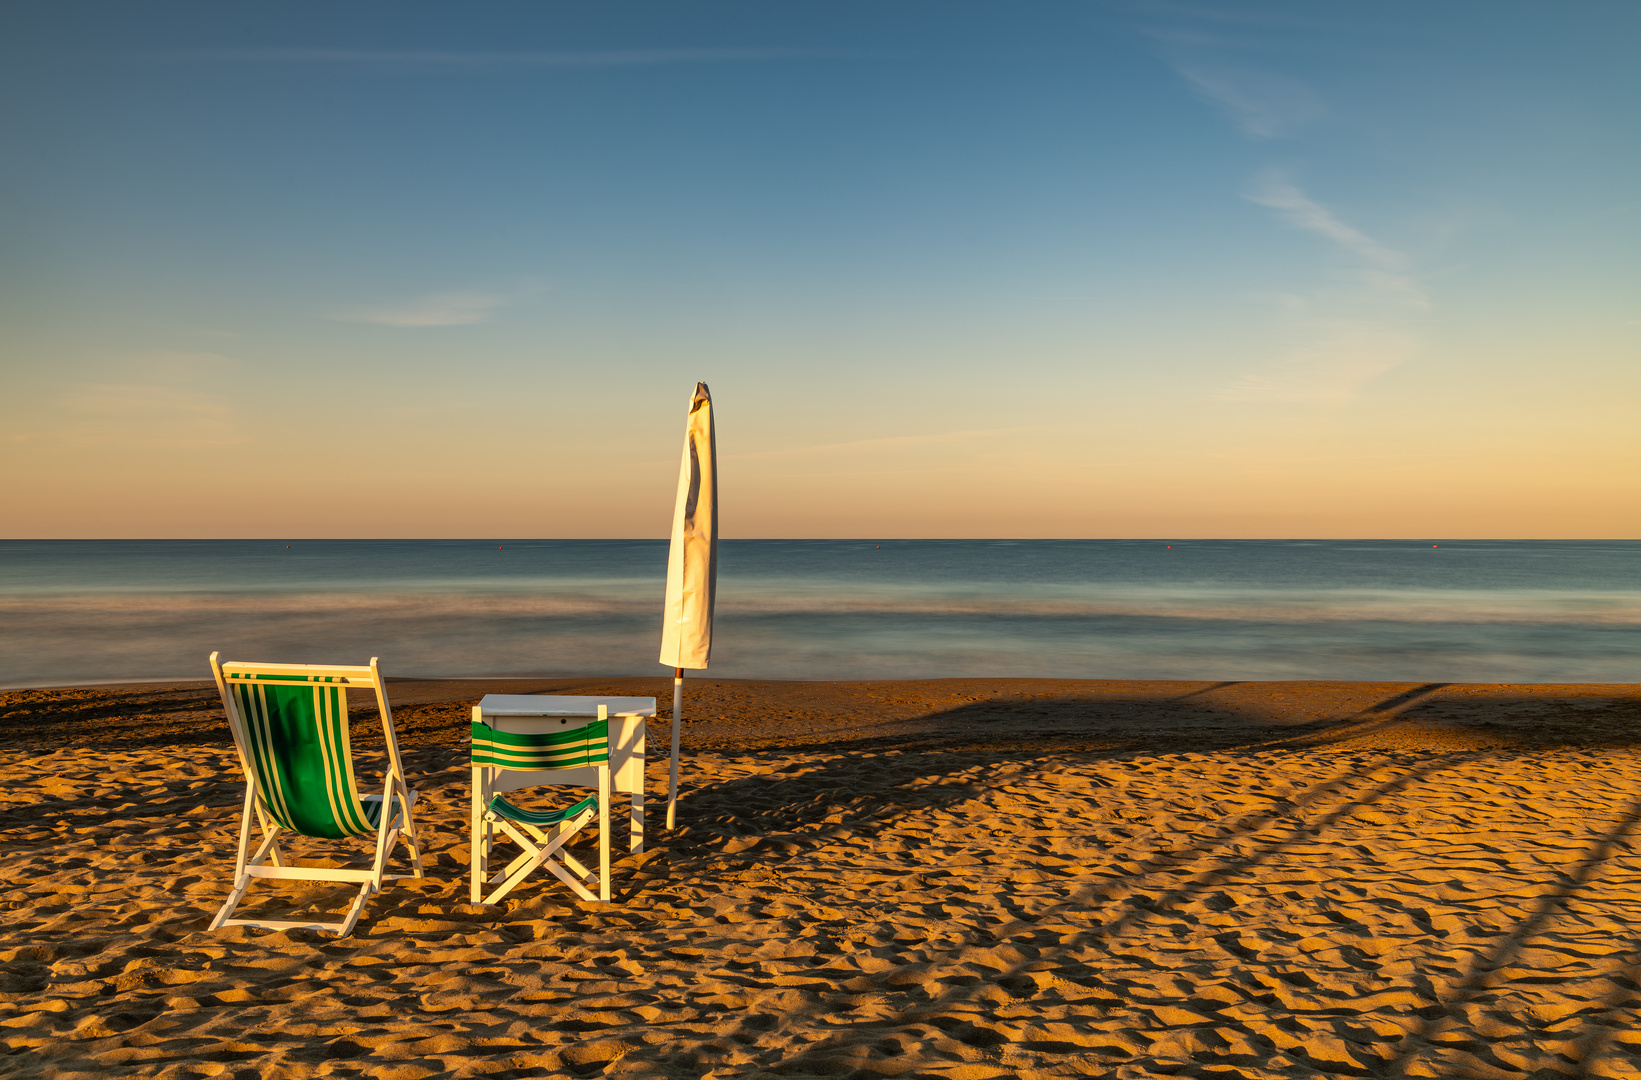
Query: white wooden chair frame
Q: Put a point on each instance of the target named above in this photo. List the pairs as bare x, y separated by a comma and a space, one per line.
396, 822
539, 846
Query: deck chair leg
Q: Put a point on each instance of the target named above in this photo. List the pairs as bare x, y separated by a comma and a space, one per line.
268, 847
232, 902
385, 835
242, 880
409, 839
604, 834
244, 831
636, 843
401, 826
478, 843
355, 910
408, 832
268, 828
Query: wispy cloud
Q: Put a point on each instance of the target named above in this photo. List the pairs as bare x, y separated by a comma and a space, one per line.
1275, 191
159, 397
174, 366
1345, 338
1262, 105
133, 413
434, 309
886, 442
454, 59
1342, 336
1331, 361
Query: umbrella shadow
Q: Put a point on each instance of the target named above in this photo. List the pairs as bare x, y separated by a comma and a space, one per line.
818, 802
1481, 976
862, 782
1246, 842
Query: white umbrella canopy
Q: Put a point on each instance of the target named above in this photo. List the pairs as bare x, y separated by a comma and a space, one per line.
692, 565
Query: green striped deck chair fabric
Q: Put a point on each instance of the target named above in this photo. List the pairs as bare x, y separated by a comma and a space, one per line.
541, 834
290, 725
297, 728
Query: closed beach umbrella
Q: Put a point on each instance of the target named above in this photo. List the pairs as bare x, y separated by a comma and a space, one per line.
692, 565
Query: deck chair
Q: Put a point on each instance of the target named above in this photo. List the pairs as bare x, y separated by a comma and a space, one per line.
542, 834
290, 725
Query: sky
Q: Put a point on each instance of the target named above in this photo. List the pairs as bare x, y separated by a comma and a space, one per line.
951, 269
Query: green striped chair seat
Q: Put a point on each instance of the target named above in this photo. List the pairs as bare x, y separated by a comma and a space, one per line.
541, 818
297, 728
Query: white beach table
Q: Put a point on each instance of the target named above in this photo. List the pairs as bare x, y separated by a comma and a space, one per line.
534, 713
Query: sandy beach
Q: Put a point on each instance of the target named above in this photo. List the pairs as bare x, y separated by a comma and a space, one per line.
947, 878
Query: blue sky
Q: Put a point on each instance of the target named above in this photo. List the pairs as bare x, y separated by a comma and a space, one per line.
951, 269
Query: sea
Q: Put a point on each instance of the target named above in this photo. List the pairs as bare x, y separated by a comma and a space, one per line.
76, 612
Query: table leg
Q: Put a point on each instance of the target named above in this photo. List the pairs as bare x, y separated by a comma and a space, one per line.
477, 847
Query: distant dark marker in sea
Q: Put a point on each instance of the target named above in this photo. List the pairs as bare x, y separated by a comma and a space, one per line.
75, 611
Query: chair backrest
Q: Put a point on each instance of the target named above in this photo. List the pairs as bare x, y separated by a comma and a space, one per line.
291, 724
540, 751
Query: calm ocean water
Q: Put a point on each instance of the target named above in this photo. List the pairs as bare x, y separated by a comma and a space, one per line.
75, 611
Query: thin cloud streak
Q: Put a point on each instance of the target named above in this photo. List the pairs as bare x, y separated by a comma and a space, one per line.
1340, 339
1263, 106
887, 441
1335, 356
147, 414
432, 58
1333, 360
435, 309
859, 443
1299, 210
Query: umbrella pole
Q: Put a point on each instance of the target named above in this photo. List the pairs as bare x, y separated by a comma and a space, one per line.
677, 713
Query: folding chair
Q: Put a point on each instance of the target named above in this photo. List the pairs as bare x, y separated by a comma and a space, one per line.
541, 834
290, 725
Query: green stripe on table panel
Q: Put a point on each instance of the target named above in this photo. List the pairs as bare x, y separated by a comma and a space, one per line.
589, 745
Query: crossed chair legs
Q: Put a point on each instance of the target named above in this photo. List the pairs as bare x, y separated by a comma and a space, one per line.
542, 838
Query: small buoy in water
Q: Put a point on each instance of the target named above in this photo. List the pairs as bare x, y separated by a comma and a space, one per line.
1435, 545
1170, 547
498, 547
